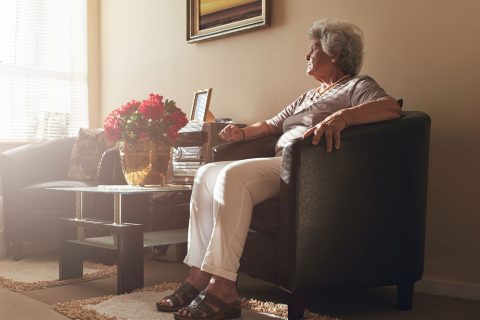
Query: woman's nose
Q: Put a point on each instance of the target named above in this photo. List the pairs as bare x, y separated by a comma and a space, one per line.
307, 57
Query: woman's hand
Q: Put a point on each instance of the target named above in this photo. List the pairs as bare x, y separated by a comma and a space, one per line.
330, 129
232, 133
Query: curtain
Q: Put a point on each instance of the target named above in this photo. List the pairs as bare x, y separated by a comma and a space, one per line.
43, 69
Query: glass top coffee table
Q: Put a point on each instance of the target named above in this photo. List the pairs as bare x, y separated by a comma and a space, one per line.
126, 239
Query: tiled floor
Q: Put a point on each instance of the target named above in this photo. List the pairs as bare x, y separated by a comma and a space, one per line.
371, 304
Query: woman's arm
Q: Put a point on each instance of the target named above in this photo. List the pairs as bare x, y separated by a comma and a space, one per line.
333, 125
233, 133
374, 111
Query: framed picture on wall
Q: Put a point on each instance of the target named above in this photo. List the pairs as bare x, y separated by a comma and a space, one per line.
207, 19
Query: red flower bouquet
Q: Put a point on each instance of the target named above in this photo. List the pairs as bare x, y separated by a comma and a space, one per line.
152, 118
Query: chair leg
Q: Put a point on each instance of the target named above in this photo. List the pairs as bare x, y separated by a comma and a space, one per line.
405, 296
296, 305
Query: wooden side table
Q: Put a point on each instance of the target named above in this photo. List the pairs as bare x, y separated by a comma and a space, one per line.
127, 240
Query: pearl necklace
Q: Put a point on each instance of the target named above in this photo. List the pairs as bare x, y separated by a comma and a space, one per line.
321, 93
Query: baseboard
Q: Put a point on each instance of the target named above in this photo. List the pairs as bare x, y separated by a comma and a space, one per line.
449, 288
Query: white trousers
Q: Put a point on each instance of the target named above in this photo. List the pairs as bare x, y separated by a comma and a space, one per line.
223, 197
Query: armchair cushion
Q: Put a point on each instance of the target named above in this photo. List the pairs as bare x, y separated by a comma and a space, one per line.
86, 154
264, 216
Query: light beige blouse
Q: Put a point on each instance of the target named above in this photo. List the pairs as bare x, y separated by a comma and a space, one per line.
311, 108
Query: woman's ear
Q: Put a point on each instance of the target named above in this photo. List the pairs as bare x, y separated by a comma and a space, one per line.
335, 58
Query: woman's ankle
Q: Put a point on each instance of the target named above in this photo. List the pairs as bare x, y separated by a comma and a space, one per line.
198, 278
224, 289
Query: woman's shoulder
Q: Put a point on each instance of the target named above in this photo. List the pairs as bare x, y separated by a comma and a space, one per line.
364, 88
362, 78
362, 81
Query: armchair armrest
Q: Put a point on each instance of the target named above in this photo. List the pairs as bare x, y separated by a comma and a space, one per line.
262, 147
359, 210
36, 162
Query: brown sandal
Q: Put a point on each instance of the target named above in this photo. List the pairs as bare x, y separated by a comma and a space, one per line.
180, 298
202, 309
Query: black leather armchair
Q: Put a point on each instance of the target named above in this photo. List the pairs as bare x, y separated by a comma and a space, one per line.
351, 218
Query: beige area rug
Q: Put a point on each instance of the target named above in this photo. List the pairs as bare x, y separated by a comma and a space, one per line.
37, 272
140, 305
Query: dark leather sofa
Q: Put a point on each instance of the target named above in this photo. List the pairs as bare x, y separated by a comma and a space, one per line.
351, 218
32, 213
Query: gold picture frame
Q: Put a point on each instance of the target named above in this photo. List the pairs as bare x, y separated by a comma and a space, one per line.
200, 107
207, 19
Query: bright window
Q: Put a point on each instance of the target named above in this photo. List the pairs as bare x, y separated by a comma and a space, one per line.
43, 69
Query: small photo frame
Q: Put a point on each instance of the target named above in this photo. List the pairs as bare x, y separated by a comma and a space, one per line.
201, 103
207, 19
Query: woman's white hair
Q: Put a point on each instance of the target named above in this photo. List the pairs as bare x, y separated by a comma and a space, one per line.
342, 38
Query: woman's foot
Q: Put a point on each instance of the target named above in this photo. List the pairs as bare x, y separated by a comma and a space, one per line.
223, 288
196, 281
181, 297
219, 300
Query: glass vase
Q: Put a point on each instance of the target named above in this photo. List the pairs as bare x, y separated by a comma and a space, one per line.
144, 162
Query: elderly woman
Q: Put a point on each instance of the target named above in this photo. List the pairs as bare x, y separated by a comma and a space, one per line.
224, 193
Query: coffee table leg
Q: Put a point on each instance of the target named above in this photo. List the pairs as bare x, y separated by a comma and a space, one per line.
70, 264
130, 258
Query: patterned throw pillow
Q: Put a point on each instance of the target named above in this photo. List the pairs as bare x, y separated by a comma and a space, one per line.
86, 154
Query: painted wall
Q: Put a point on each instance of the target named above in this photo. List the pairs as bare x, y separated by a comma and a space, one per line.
425, 51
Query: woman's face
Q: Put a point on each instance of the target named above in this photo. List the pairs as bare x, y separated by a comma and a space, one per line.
319, 63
